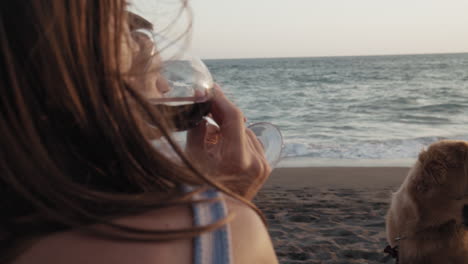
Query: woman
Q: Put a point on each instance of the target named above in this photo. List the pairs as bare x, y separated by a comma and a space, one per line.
79, 181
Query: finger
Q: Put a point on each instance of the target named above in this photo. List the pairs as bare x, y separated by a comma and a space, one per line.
257, 145
223, 110
212, 134
230, 119
196, 138
261, 155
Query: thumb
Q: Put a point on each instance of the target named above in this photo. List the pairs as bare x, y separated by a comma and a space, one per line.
196, 139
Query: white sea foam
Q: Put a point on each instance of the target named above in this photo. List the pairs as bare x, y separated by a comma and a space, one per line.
390, 149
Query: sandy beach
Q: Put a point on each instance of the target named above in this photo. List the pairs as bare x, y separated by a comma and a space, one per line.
329, 214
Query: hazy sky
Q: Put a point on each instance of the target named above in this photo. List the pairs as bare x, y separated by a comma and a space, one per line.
292, 28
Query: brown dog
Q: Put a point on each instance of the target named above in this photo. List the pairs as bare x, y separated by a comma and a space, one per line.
425, 219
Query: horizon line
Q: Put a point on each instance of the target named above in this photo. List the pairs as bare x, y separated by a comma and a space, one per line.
336, 56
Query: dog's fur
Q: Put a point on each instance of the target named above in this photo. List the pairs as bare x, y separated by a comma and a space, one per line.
427, 210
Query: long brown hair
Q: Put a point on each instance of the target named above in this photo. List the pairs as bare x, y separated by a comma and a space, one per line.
71, 151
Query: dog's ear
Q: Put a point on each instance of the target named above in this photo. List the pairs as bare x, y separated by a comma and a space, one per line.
435, 172
455, 152
431, 172
436, 161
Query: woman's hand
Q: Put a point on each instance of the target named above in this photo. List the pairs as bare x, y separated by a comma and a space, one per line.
232, 155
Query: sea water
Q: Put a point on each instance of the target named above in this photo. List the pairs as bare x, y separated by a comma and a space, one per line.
340, 110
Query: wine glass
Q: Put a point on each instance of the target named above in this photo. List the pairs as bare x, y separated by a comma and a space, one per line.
271, 139
187, 101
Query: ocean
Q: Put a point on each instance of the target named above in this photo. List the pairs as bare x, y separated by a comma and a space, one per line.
341, 110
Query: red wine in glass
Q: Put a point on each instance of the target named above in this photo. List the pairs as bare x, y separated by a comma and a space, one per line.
185, 116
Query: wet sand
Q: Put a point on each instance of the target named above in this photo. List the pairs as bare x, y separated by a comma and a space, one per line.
329, 214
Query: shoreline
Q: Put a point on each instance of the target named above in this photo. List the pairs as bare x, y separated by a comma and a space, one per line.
307, 162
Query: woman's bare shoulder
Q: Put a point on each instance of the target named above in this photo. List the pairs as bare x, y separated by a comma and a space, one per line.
74, 247
250, 241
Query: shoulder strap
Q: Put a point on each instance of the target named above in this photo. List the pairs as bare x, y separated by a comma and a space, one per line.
211, 247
